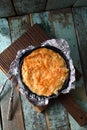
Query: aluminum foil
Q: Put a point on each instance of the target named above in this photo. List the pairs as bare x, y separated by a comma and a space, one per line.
14, 69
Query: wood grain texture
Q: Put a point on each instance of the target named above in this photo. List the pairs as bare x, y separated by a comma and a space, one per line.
27, 6
80, 17
0, 119
57, 4
56, 24
60, 117
57, 107
0, 125
18, 25
81, 117
32, 119
6, 8
24, 41
80, 3
17, 121
75, 125
2, 80
56, 116
53, 123
5, 40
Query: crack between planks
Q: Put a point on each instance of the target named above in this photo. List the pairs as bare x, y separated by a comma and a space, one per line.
46, 1
76, 32
46, 119
13, 7
9, 29
78, 41
75, 3
68, 121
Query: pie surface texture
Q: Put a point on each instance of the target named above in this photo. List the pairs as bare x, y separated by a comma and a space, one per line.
44, 71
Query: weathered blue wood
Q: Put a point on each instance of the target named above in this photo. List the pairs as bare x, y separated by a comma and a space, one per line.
60, 24
5, 41
51, 21
2, 80
0, 119
6, 8
17, 123
80, 17
32, 119
56, 24
27, 6
80, 3
0, 125
18, 25
57, 4
56, 116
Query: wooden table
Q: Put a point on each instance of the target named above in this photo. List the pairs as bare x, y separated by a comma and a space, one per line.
57, 24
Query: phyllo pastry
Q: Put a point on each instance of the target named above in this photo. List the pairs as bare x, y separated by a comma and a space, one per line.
44, 71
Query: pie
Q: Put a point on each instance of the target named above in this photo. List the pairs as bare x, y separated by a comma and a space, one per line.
44, 71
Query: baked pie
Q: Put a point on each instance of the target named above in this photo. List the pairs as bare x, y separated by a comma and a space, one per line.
44, 71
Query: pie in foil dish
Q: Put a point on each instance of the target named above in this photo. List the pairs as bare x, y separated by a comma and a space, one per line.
44, 71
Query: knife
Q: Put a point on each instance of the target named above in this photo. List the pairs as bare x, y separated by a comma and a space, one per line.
10, 106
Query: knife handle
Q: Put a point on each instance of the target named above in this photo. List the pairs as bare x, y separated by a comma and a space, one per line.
10, 108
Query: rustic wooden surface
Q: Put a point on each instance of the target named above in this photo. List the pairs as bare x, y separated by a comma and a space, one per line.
57, 4
34, 115
0, 119
21, 43
20, 7
73, 108
6, 8
80, 17
18, 25
56, 24
80, 3
17, 119
5, 41
27, 6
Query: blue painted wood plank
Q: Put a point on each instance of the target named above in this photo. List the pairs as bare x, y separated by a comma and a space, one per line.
59, 24
6, 8
56, 114
2, 80
18, 25
80, 3
27, 6
0, 118
32, 119
56, 24
57, 4
80, 18
5, 40
0, 125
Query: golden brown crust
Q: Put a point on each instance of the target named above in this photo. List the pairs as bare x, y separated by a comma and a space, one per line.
44, 71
